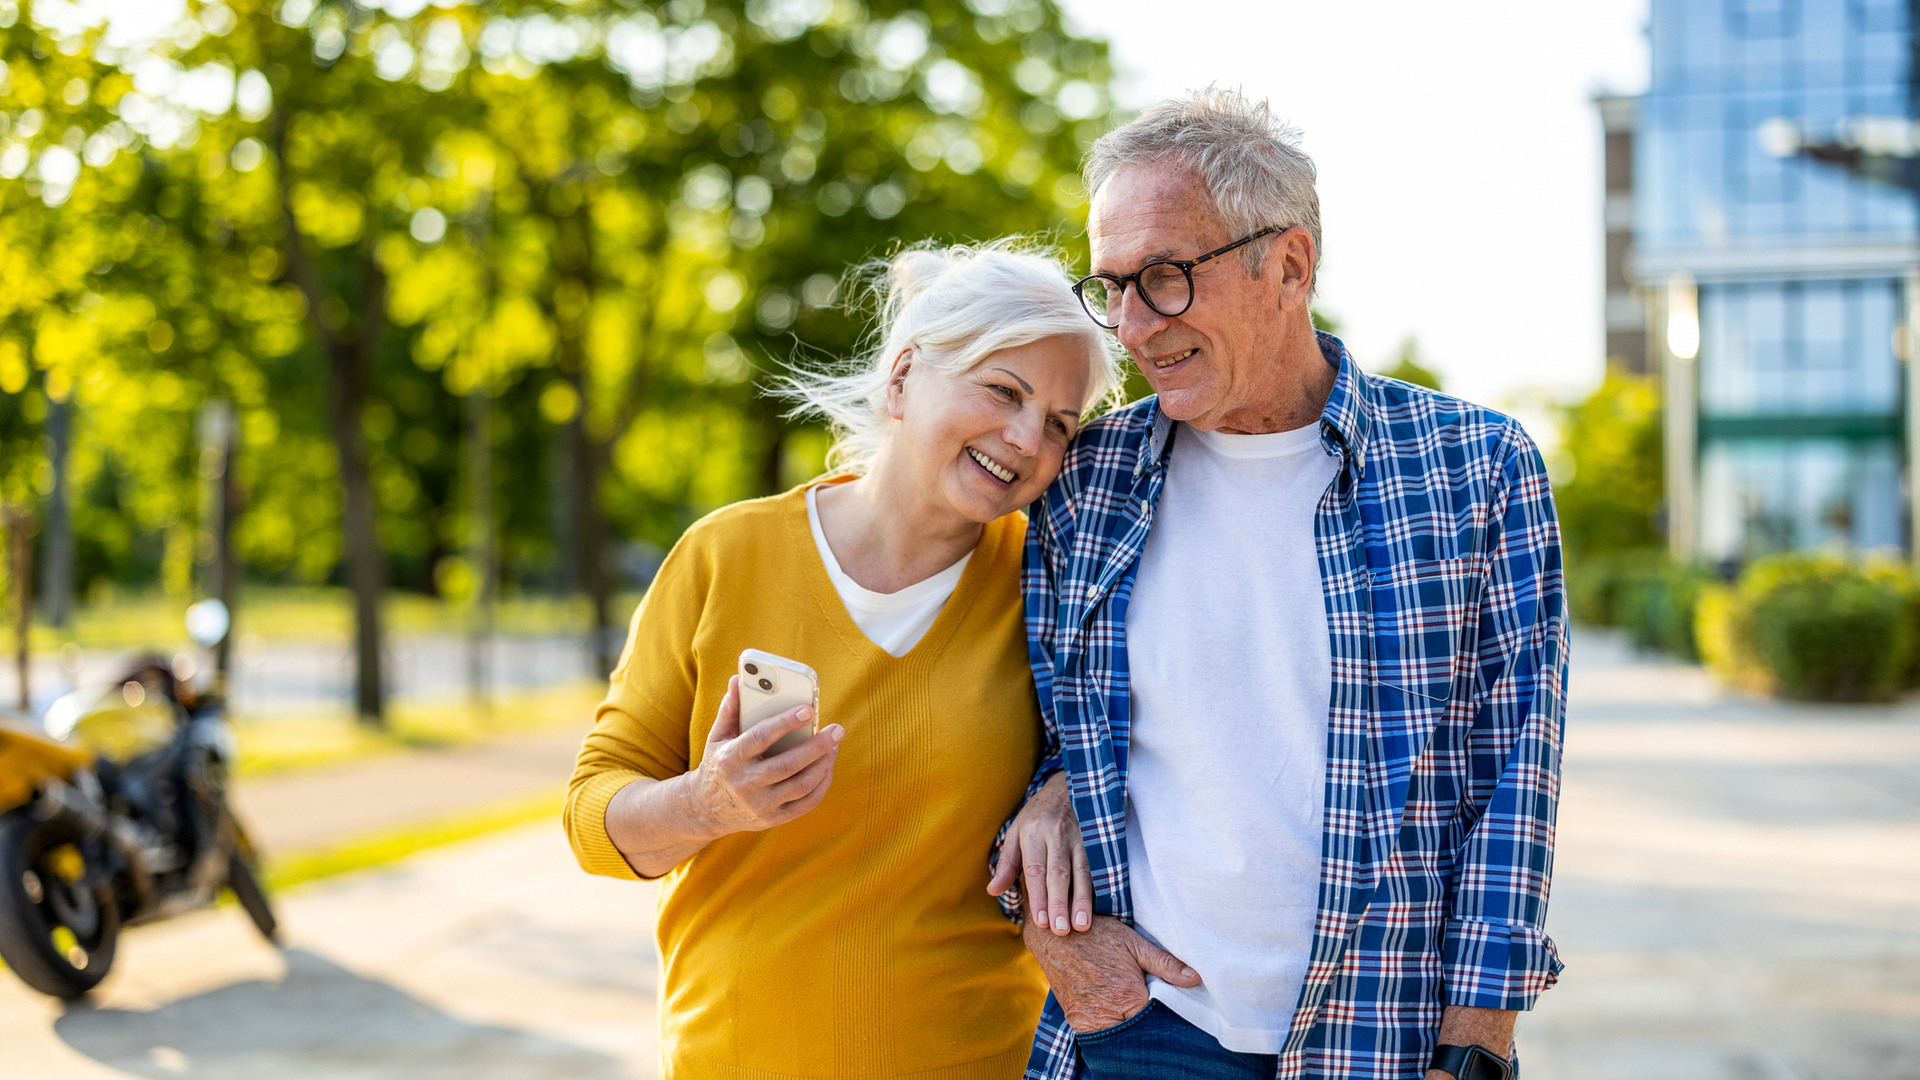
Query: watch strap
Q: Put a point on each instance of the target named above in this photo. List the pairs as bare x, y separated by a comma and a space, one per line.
1471, 1063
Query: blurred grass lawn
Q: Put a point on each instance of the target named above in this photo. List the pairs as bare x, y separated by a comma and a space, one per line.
283, 872
280, 613
287, 743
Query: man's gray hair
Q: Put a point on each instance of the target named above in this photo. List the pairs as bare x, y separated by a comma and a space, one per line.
1249, 160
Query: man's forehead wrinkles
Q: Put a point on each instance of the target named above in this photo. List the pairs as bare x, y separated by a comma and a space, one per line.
1129, 246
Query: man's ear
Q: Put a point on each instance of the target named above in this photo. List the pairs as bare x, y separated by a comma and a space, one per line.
897, 384
1292, 264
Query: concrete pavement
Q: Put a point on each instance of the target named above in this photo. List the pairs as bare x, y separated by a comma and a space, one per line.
491, 960
300, 811
1737, 885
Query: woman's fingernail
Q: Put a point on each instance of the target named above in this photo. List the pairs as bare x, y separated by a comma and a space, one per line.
836, 733
806, 713
1080, 920
1060, 924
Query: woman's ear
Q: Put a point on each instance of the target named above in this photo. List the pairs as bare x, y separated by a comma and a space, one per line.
897, 384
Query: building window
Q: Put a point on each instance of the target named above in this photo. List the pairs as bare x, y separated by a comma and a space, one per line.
1759, 496
1799, 349
1877, 15
1763, 18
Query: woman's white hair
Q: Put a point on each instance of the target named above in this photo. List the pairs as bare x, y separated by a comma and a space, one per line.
1249, 160
954, 306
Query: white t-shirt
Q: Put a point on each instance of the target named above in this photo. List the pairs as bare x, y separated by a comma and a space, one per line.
1232, 676
894, 621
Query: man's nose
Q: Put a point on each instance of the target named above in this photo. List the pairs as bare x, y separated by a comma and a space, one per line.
1138, 321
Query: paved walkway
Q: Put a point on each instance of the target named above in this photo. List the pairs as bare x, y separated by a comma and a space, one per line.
304, 810
1737, 886
495, 959
1737, 897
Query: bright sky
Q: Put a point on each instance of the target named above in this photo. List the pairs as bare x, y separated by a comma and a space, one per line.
1458, 154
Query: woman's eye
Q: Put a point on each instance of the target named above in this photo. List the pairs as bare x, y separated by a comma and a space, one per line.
1059, 427
1007, 392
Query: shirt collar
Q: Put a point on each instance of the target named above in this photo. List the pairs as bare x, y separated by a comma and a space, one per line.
1345, 423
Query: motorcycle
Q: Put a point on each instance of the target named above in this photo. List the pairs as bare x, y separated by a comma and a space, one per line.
113, 812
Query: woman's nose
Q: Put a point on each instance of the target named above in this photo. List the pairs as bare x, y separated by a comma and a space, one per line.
1023, 433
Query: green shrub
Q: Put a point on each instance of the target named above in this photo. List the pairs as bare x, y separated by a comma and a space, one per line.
1641, 591
1900, 578
1825, 630
1594, 583
1656, 608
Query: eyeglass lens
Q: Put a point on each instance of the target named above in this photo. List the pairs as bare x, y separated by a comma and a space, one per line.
1164, 286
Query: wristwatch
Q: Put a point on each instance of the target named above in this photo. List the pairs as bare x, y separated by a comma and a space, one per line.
1473, 1063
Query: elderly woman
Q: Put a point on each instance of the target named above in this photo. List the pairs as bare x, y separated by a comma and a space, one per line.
821, 913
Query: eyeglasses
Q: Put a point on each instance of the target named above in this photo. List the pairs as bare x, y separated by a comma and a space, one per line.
1165, 284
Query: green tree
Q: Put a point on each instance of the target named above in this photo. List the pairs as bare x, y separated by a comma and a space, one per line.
597, 220
1610, 445
1407, 367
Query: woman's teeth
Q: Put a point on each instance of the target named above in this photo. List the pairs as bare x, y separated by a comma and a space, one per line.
1005, 474
1176, 358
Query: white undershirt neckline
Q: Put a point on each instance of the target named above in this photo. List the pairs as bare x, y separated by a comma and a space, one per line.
895, 621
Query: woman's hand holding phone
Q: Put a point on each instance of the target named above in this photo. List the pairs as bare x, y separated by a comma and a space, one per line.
738, 791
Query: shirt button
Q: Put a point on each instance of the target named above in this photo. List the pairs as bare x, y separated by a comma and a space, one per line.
1093, 592
1143, 508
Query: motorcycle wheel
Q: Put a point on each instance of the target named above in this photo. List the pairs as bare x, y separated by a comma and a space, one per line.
57, 932
246, 889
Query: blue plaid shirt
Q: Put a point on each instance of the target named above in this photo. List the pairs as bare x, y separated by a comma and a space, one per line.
1440, 556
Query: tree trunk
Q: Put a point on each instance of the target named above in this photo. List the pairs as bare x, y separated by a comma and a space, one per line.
349, 359
56, 582
772, 480
483, 549
483, 538
18, 521
348, 372
217, 505
589, 459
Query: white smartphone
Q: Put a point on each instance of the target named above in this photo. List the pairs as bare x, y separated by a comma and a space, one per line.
769, 686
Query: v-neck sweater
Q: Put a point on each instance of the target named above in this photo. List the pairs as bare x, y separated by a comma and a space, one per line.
895, 621
857, 940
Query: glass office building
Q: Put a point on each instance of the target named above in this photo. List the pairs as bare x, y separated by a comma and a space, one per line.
1774, 235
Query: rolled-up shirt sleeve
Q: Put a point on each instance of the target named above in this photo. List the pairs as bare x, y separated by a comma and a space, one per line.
1496, 952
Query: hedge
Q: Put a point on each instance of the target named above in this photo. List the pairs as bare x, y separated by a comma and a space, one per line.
1807, 626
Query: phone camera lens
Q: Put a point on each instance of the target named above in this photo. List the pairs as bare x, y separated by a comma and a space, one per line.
752, 670
767, 685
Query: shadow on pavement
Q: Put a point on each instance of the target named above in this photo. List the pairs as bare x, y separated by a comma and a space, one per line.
320, 1021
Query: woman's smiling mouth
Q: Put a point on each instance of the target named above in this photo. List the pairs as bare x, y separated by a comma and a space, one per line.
999, 472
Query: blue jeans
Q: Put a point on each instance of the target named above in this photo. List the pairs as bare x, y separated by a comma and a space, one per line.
1156, 1043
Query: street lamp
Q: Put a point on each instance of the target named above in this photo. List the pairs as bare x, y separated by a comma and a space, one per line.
1683, 316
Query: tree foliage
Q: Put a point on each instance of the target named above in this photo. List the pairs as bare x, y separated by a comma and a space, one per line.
1407, 367
607, 217
1611, 442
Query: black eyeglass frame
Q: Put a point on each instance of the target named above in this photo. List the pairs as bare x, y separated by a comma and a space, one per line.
1119, 284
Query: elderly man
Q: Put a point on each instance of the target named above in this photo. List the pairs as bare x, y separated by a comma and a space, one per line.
1300, 641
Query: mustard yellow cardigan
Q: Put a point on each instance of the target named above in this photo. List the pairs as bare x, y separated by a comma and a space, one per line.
857, 940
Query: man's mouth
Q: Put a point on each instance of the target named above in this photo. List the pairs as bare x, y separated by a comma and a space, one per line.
1166, 362
1000, 472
